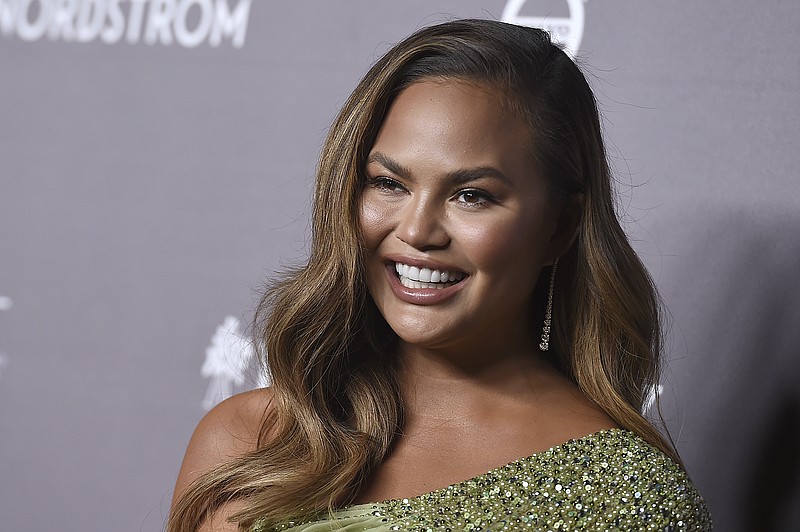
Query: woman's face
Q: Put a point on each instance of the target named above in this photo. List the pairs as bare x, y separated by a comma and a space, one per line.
456, 220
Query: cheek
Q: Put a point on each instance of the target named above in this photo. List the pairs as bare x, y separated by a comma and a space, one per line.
505, 244
490, 245
373, 223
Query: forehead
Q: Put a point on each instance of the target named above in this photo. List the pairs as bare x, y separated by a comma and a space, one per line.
457, 123
460, 96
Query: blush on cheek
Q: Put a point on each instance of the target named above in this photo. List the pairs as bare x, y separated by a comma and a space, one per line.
489, 240
373, 221
493, 244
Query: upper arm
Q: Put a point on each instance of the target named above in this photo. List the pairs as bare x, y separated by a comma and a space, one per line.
228, 431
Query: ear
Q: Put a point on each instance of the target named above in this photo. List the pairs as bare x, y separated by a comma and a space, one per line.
568, 224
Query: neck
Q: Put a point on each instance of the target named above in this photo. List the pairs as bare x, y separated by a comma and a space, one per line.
470, 384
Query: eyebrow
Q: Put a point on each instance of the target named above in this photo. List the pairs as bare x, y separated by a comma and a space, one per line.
457, 177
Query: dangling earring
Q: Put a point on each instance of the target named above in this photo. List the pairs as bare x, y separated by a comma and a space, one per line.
544, 345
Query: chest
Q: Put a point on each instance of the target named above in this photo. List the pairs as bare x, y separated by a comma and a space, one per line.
431, 459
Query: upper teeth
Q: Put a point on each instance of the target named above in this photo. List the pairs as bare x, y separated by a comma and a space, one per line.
426, 275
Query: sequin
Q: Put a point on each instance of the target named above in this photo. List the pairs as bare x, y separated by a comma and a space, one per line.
610, 480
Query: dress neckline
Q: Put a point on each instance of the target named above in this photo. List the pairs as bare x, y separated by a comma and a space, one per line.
611, 478
600, 434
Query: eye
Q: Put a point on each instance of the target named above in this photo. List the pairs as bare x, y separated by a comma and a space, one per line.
473, 197
385, 184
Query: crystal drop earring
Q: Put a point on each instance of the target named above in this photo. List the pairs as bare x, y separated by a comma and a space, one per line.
544, 345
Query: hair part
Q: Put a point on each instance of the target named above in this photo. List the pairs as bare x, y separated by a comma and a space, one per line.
337, 403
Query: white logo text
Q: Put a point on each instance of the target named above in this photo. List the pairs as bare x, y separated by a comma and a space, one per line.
566, 31
187, 23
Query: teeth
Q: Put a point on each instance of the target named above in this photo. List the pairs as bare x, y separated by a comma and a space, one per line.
408, 283
425, 275
415, 277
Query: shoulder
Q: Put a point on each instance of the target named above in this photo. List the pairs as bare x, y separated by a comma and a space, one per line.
229, 430
640, 481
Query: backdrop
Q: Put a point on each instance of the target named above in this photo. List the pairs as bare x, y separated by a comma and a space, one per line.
156, 164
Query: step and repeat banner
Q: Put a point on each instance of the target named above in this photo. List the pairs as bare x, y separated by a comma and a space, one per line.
156, 167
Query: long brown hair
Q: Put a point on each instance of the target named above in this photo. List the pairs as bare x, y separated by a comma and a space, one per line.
337, 407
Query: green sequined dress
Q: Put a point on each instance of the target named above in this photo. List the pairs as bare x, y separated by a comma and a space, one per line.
610, 480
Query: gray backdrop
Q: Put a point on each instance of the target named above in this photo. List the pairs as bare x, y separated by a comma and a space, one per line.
156, 161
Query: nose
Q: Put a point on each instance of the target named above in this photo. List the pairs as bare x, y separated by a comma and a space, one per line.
421, 224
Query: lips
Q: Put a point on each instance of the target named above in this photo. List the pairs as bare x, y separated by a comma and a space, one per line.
422, 277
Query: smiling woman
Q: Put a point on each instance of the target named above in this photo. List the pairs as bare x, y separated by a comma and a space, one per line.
452, 186
432, 370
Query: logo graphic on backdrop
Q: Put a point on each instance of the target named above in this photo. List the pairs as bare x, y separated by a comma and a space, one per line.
228, 359
5, 304
186, 23
567, 31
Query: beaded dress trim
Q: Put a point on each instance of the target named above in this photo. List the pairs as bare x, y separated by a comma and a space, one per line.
609, 480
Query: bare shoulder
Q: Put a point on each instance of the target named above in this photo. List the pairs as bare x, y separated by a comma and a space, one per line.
567, 413
229, 430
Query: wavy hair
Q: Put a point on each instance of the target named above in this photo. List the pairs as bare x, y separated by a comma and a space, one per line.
337, 407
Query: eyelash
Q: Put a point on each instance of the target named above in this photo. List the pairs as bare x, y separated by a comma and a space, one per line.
387, 184
384, 183
483, 198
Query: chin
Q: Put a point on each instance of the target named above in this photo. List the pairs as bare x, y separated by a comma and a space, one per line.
426, 333
417, 331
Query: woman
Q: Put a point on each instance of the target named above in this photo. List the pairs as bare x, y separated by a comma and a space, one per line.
470, 299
